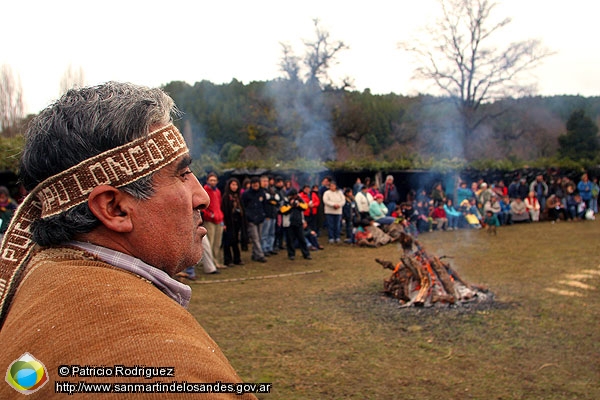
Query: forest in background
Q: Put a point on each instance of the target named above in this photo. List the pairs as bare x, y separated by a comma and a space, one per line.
483, 114
268, 123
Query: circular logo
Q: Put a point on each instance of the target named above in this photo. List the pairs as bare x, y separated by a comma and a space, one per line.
27, 374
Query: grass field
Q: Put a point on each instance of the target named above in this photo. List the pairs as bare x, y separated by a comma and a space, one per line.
331, 334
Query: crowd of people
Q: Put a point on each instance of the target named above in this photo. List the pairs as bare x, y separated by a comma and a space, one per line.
269, 214
479, 204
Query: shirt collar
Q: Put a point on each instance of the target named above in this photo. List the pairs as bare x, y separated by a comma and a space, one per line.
178, 291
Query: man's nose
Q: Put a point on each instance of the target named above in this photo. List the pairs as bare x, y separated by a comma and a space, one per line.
200, 198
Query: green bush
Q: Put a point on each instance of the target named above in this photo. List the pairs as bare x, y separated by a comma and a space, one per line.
10, 152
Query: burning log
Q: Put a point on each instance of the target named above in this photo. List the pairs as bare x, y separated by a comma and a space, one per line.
422, 280
445, 278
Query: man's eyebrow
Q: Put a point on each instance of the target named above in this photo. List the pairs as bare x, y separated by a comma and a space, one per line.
185, 162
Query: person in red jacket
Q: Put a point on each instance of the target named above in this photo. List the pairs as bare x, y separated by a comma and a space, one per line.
214, 218
438, 214
312, 199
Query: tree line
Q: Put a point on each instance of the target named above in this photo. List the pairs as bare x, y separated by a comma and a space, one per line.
285, 120
483, 109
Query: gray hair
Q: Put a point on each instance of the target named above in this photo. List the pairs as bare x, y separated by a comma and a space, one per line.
82, 124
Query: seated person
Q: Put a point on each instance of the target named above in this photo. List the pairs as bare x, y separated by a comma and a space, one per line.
492, 205
555, 209
439, 217
311, 238
411, 217
504, 215
452, 214
379, 211
575, 206
533, 206
471, 213
424, 221
518, 211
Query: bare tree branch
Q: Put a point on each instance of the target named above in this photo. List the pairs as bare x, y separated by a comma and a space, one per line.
320, 55
72, 78
465, 65
12, 109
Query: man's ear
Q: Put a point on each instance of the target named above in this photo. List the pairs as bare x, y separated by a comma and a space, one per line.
112, 207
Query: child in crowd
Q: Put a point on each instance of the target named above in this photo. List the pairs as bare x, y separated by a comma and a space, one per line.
491, 222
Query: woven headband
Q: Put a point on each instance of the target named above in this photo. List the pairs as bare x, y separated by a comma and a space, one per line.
116, 167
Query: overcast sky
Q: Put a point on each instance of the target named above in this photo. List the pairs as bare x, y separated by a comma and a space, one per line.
153, 42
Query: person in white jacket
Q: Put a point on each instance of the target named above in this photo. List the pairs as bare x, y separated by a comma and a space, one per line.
363, 200
333, 201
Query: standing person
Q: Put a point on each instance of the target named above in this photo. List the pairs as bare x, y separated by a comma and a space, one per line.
357, 186
322, 219
540, 188
312, 199
363, 200
556, 188
522, 188
513, 188
271, 204
253, 203
213, 217
244, 240
595, 192
333, 201
390, 193
491, 222
350, 215
233, 215
584, 187
281, 192
373, 189
500, 189
293, 218
207, 261
438, 195
105, 255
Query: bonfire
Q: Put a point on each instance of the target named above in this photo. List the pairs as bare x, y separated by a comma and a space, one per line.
423, 280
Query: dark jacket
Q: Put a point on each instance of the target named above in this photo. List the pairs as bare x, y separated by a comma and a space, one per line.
295, 209
233, 210
252, 200
390, 193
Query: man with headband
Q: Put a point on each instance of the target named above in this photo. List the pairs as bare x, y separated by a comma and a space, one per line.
87, 262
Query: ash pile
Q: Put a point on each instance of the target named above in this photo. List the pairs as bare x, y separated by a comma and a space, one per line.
424, 280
